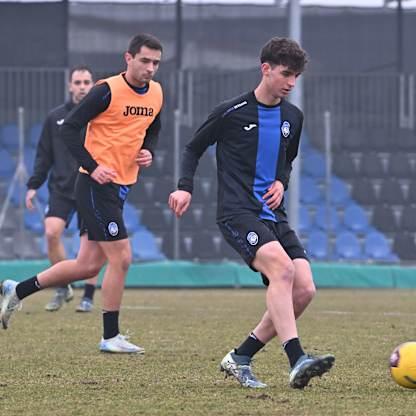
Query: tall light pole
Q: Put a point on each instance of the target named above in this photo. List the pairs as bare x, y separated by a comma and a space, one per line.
295, 32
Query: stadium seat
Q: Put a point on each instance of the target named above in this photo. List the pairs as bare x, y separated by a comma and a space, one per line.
411, 198
144, 246
9, 136
347, 246
205, 190
317, 246
327, 218
384, 218
345, 165
408, 220
339, 192
391, 192
34, 222
310, 193
372, 166
7, 164
158, 218
6, 248
377, 248
34, 134
313, 165
29, 158
404, 245
131, 218
305, 221
356, 219
406, 140
193, 219
363, 191
400, 166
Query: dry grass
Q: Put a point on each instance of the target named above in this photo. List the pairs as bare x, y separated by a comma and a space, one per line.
50, 364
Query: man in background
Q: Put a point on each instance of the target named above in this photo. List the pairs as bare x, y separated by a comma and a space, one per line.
53, 159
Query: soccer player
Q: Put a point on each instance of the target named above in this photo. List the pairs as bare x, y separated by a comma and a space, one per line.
122, 114
53, 158
257, 136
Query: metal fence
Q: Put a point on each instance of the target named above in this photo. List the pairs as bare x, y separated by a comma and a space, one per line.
358, 102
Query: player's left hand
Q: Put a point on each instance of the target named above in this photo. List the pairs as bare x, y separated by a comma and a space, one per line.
144, 158
274, 195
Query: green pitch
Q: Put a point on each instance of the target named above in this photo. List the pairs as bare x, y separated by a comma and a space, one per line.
50, 364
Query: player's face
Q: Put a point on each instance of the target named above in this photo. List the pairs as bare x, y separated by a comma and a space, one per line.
280, 80
142, 67
80, 84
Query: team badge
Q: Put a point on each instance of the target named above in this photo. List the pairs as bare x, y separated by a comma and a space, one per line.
285, 129
252, 238
113, 228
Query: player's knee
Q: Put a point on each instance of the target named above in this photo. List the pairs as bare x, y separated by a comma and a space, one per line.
282, 270
123, 260
305, 294
92, 269
53, 237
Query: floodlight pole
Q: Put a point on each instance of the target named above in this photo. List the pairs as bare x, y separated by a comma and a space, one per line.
295, 32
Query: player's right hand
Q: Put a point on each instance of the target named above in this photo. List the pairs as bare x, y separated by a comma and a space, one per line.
30, 194
103, 174
179, 202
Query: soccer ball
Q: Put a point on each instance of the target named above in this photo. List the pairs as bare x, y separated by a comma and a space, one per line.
403, 365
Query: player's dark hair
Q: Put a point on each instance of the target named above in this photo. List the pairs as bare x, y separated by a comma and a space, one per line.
79, 68
284, 51
144, 39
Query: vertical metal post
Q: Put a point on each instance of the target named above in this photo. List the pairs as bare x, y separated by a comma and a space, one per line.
399, 58
21, 175
176, 151
295, 33
328, 175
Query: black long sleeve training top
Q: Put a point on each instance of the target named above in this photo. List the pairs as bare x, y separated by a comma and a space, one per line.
255, 146
52, 156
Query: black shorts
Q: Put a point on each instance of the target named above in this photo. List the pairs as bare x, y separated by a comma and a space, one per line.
61, 207
247, 233
100, 208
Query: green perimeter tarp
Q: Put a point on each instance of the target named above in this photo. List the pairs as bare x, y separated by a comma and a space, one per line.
189, 274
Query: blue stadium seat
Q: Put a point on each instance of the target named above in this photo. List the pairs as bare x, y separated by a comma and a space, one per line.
313, 164
34, 222
145, 247
347, 246
7, 164
339, 192
310, 193
305, 221
317, 246
29, 159
377, 248
9, 136
131, 218
34, 134
327, 218
355, 218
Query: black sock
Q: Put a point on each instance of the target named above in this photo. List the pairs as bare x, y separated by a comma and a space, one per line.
110, 323
250, 346
26, 288
89, 291
293, 350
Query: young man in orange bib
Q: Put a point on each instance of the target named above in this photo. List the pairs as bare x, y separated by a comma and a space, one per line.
122, 118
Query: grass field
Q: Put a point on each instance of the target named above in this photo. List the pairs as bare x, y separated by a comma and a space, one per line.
50, 364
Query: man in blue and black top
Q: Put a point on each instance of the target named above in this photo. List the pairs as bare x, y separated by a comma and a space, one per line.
257, 136
54, 164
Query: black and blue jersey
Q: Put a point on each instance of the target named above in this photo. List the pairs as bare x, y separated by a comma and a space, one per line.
255, 146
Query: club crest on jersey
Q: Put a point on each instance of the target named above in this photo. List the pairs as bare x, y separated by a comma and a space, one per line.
252, 238
285, 129
113, 228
